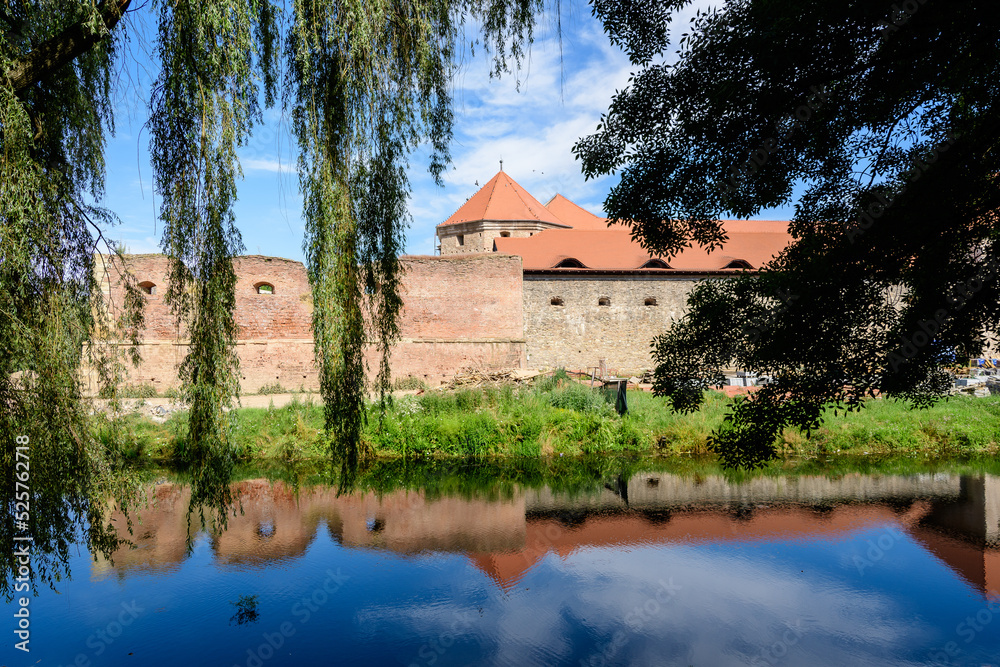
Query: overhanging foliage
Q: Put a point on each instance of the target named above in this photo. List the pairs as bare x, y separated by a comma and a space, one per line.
884, 115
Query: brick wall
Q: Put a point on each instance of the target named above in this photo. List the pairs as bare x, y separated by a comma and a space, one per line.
458, 312
580, 332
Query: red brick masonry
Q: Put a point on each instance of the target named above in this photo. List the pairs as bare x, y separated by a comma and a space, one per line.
458, 311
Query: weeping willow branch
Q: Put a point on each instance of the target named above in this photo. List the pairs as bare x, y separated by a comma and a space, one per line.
369, 82
204, 106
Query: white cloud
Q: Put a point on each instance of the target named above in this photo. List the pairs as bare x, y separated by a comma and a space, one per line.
273, 165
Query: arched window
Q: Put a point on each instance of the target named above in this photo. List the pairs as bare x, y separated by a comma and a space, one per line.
655, 264
570, 263
738, 264
650, 301
556, 301
264, 288
604, 301
504, 234
148, 287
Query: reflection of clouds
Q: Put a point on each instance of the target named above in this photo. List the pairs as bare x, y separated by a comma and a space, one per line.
730, 607
750, 603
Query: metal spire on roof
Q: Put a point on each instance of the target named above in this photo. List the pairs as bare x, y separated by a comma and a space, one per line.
501, 164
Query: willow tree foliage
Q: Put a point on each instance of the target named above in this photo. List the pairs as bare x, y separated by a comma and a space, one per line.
879, 120
55, 110
369, 81
366, 81
204, 104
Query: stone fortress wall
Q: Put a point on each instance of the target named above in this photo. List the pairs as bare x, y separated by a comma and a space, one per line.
478, 236
459, 311
574, 321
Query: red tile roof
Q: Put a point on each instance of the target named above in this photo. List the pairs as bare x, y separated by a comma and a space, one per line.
754, 241
502, 199
574, 215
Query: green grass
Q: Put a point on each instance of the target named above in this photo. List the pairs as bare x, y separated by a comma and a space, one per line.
557, 417
959, 426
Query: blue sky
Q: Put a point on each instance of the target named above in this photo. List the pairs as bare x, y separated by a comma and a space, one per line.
530, 119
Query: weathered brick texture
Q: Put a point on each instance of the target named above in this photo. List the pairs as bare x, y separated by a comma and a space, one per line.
458, 312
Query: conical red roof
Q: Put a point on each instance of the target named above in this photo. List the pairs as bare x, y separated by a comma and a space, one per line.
502, 199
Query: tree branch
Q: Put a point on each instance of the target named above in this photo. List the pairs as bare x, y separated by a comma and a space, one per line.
61, 49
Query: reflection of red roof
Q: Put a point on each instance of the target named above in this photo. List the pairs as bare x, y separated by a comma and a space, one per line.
545, 536
977, 564
576, 216
502, 199
754, 241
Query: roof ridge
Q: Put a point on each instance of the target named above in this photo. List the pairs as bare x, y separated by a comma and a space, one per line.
528, 205
496, 181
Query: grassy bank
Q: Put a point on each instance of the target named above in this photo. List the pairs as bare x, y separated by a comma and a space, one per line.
557, 417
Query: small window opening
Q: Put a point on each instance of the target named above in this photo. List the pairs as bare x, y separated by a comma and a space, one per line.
738, 264
656, 264
461, 239
148, 287
604, 301
504, 234
556, 301
264, 288
650, 301
570, 263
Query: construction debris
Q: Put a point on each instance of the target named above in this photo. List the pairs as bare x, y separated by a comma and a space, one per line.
469, 378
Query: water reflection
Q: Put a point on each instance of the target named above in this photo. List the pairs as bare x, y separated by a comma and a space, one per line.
634, 568
956, 518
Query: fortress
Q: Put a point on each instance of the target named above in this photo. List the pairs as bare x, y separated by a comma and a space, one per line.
517, 284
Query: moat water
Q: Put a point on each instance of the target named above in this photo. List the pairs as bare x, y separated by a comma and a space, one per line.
644, 567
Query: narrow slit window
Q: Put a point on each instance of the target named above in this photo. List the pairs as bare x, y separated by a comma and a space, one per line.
461, 239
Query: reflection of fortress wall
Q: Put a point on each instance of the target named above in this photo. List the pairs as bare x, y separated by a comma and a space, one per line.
506, 538
272, 526
977, 564
408, 522
659, 490
160, 539
965, 533
976, 514
276, 524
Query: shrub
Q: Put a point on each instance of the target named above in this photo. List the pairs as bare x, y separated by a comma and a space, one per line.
273, 388
410, 382
137, 391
